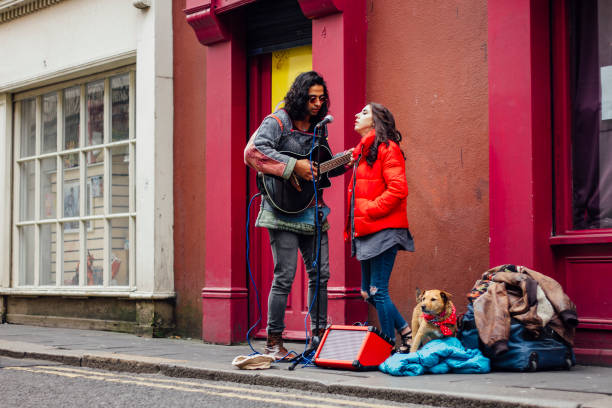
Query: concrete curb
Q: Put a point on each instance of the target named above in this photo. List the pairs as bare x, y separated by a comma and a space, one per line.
150, 365
395, 394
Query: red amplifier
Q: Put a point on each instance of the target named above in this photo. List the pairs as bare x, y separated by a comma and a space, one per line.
353, 348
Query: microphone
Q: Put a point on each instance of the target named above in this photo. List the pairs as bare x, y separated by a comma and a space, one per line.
327, 119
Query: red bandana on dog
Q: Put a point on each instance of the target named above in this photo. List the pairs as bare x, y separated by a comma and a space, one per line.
450, 320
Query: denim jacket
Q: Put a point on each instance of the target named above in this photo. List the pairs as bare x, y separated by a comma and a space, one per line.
263, 154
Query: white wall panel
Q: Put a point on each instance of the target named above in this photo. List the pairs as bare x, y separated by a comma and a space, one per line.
72, 33
75, 38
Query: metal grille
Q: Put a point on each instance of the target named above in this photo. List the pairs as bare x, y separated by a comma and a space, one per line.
275, 25
342, 345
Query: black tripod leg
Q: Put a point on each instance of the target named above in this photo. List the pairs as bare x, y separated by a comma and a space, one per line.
318, 218
314, 344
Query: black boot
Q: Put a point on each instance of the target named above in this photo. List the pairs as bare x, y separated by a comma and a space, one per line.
316, 333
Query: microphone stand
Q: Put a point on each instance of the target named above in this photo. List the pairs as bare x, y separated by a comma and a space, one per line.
318, 219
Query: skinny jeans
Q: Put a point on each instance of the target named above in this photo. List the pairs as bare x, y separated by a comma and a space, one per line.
284, 246
375, 274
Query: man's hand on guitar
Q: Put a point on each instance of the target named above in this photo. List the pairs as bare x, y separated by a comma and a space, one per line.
302, 169
301, 192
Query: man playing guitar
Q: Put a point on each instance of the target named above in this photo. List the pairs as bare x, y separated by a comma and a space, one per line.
291, 130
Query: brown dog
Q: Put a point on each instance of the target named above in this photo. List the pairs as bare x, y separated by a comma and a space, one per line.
433, 317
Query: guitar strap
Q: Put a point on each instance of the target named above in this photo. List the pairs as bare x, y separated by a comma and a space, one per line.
280, 122
259, 178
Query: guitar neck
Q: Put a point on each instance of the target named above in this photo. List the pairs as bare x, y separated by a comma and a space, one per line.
334, 163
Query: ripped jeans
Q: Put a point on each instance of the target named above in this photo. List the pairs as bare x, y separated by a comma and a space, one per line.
375, 274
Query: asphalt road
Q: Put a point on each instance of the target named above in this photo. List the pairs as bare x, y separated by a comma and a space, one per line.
31, 383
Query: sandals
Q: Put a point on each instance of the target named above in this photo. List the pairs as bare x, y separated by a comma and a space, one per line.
404, 347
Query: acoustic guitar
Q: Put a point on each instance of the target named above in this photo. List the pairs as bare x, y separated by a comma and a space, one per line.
295, 195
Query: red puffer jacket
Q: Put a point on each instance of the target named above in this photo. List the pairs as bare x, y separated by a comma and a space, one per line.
380, 189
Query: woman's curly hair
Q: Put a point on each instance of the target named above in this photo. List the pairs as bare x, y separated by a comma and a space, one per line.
384, 125
296, 100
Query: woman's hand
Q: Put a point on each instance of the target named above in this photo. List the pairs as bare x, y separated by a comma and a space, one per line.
352, 161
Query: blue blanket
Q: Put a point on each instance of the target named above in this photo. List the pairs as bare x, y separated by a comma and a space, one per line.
437, 357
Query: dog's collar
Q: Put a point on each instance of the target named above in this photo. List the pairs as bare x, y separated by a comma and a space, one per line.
443, 324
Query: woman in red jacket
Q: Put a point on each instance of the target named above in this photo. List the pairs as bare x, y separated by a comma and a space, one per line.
378, 223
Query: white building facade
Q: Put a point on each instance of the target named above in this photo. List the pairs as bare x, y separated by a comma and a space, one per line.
86, 129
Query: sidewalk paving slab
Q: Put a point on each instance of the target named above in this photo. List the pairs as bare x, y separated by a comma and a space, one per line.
583, 386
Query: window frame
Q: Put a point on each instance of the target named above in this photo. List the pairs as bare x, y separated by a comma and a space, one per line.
563, 232
17, 275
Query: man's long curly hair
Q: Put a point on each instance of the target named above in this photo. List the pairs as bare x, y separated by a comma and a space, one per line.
296, 100
384, 125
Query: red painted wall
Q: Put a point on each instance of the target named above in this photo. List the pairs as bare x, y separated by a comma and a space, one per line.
339, 48
189, 182
225, 303
427, 62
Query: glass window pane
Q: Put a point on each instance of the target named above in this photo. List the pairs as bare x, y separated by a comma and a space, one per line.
48, 187
134, 170
95, 183
71, 252
72, 118
49, 123
95, 113
71, 161
28, 127
95, 156
26, 256
120, 165
591, 85
71, 189
120, 247
48, 252
27, 181
95, 252
120, 99
61, 243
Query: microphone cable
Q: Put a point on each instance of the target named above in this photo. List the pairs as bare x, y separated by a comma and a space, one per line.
259, 314
315, 262
248, 246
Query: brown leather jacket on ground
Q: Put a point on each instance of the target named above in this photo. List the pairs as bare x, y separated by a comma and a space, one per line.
532, 298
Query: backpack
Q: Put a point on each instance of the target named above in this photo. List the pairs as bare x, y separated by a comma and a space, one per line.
525, 352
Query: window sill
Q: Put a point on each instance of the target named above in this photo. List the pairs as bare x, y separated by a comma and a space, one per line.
86, 292
581, 238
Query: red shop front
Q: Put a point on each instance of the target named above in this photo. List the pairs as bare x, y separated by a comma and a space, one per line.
550, 157
338, 40
548, 208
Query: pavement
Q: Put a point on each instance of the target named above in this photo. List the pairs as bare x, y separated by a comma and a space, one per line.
582, 386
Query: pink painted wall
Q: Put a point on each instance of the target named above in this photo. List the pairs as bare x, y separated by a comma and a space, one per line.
427, 62
189, 183
519, 84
